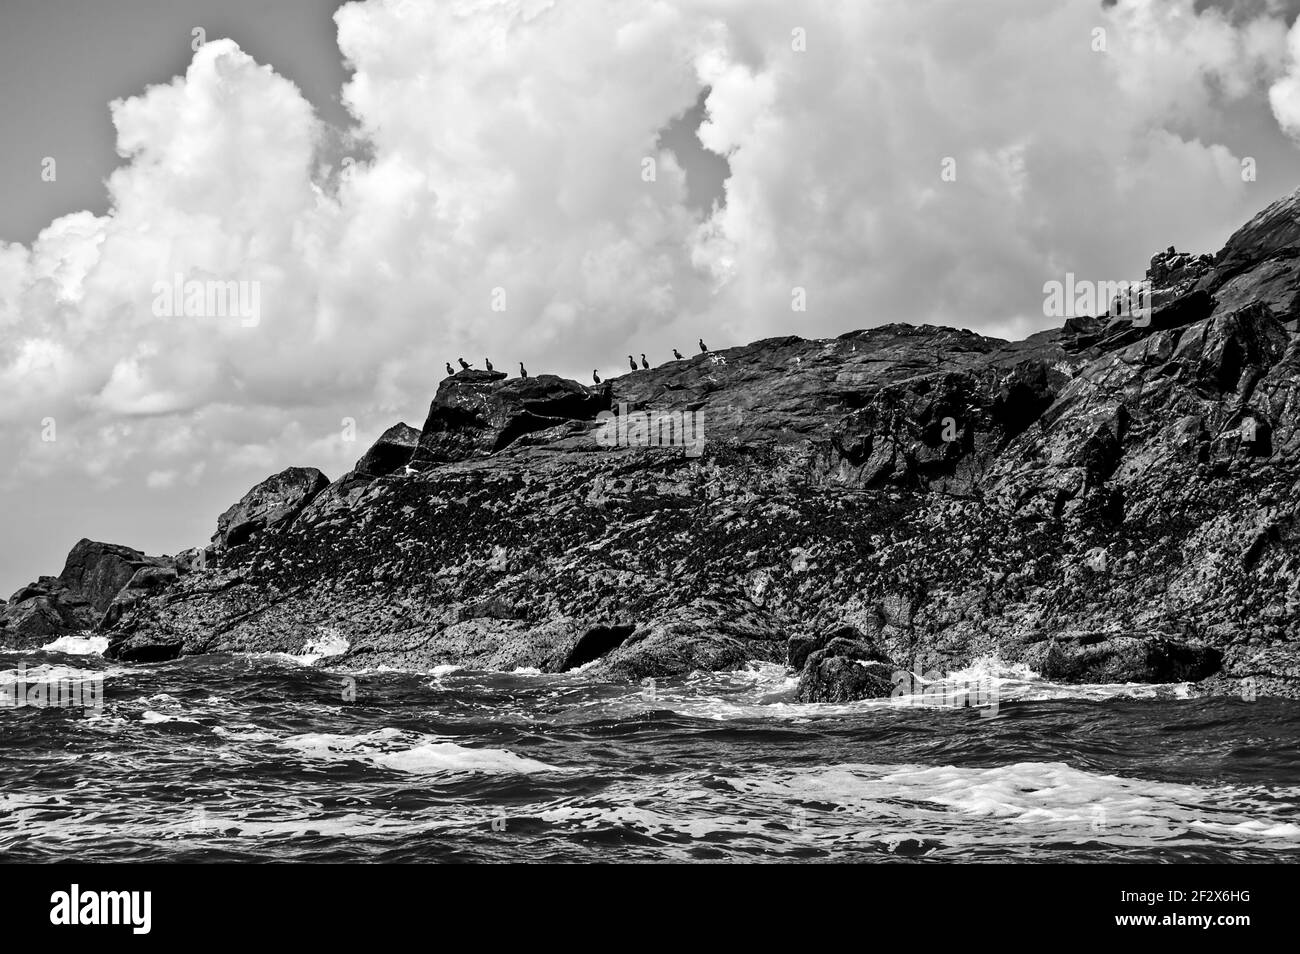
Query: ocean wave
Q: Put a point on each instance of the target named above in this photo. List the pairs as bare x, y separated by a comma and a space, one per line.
411, 752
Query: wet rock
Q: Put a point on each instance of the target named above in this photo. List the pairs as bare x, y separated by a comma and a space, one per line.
43, 611
1128, 659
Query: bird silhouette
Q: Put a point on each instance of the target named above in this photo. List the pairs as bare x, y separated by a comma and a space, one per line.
677, 354
523, 372
463, 364
595, 377
644, 363
703, 347
450, 369
632, 362
488, 362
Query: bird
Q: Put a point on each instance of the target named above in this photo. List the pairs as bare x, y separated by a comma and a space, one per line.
450, 369
488, 362
703, 347
595, 377
632, 362
677, 354
463, 364
523, 372
644, 363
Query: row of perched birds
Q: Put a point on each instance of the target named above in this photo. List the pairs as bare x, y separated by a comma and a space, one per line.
595, 376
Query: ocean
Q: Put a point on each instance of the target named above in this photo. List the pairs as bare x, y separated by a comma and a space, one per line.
266, 758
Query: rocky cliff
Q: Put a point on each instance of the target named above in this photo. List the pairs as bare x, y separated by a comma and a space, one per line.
1109, 501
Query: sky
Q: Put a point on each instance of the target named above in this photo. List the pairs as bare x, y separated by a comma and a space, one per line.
558, 182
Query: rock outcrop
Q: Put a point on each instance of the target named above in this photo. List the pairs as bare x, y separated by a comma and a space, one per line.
1110, 500
76, 600
275, 501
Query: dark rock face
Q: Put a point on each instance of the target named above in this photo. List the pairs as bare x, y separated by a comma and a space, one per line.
43, 611
1127, 659
98, 571
274, 501
478, 413
1259, 263
390, 453
76, 600
1111, 500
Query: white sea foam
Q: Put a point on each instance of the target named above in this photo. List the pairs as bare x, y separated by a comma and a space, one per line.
78, 645
1035, 795
767, 690
411, 752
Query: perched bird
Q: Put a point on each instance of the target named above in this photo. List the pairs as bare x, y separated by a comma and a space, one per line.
677, 354
703, 346
595, 377
644, 363
463, 364
450, 369
632, 361
523, 372
488, 362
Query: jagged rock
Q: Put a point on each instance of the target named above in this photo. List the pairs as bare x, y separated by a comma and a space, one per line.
390, 453
946, 494
98, 571
93, 575
478, 413
274, 501
43, 611
1258, 264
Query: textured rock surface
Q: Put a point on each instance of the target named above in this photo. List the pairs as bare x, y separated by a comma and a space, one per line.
274, 501
1106, 501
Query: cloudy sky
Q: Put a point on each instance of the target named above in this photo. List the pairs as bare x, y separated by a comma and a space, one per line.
382, 168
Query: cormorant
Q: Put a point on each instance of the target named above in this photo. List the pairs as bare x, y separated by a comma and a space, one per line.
450, 369
703, 347
523, 372
464, 365
632, 362
644, 363
595, 377
488, 362
677, 354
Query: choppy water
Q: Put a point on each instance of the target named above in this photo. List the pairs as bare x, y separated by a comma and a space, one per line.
269, 758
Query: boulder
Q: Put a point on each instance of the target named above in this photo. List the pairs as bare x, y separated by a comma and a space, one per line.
272, 503
98, 571
43, 611
1126, 659
390, 453
840, 665
478, 413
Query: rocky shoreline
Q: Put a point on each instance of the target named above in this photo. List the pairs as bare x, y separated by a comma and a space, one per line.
1105, 502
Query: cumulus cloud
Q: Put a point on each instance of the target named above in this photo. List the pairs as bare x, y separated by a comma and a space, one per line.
499, 147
